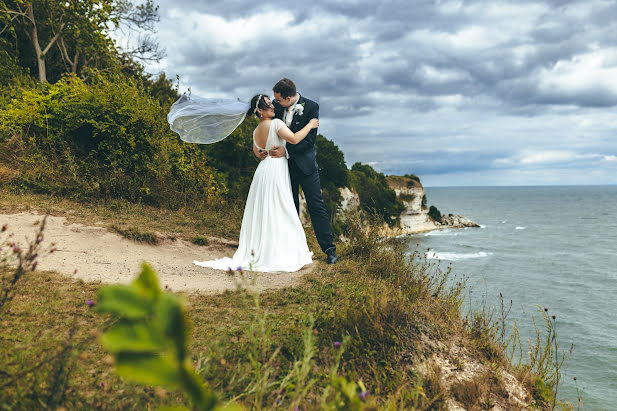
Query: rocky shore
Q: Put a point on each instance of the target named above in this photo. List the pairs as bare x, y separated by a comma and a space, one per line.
414, 219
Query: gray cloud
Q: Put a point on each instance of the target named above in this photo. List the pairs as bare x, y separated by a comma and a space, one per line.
512, 71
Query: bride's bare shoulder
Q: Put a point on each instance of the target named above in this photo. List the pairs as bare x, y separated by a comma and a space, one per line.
263, 124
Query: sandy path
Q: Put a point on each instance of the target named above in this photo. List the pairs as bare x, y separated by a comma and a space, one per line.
94, 254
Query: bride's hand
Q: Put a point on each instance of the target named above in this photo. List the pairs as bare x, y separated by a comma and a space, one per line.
314, 123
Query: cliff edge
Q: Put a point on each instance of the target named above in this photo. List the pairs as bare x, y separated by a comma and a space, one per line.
416, 217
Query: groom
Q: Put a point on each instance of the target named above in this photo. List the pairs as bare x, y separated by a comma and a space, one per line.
296, 111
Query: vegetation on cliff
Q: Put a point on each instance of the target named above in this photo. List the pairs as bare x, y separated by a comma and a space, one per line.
84, 123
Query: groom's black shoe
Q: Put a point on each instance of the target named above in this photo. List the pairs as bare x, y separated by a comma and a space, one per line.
332, 258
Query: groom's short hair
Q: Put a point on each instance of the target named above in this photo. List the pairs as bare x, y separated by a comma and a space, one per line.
285, 87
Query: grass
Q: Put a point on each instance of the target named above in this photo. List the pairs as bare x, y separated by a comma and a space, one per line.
218, 221
135, 234
391, 313
200, 240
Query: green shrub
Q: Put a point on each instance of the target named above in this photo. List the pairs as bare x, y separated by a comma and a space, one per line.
106, 139
200, 240
375, 196
234, 160
434, 213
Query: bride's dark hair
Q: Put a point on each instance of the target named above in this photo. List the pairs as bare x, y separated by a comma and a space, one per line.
257, 102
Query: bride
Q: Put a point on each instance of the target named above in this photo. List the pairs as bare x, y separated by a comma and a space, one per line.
271, 236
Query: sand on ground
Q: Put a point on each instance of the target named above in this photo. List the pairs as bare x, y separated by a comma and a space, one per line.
93, 253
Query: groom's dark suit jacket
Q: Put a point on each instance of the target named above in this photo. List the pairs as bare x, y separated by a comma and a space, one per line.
302, 154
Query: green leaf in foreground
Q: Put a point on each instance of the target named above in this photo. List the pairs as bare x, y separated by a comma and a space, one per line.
124, 301
133, 337
150, 339
148, 368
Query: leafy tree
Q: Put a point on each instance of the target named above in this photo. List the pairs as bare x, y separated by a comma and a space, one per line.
331, 162
375, 195
333, 174
234, 159
71, 36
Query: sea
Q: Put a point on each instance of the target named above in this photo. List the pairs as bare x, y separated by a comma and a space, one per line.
542, 247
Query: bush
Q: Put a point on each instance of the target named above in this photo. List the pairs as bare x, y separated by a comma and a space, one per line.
434, 213
375, 196
106, 139
234, 160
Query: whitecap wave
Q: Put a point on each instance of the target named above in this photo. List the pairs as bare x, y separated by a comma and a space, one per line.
434, 255
519, 228
439, 233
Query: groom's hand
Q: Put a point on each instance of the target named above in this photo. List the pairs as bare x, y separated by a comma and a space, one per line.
260, 154
277, 151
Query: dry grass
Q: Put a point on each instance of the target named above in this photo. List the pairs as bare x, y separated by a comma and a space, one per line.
390, 309
218, 221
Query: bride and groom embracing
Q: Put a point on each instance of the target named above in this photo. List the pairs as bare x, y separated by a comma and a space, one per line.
271, 237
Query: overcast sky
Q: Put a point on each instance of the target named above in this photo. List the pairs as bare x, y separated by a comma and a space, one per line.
456, 92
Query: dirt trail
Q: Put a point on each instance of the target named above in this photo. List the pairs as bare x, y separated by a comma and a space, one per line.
93, 253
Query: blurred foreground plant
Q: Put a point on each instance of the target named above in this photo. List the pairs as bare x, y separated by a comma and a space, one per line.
150, 339
15, 262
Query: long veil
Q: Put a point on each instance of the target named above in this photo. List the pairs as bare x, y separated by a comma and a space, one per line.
205, 120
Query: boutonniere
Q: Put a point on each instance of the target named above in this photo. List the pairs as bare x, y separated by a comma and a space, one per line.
299, 109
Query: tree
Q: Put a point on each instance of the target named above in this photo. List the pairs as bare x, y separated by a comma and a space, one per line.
75, 33
331, 162
376, 197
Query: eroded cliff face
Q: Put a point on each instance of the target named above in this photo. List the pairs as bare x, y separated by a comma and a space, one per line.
415, 218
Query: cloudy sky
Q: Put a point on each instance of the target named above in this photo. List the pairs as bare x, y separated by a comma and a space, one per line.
456, 92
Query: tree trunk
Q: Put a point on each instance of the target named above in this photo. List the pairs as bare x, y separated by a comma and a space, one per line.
40, 57
40, 54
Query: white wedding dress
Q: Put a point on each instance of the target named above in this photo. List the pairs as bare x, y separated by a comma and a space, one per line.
271, 236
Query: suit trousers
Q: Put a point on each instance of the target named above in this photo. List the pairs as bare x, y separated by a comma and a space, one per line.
314, 201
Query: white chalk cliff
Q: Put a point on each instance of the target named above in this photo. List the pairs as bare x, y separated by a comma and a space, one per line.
415, 217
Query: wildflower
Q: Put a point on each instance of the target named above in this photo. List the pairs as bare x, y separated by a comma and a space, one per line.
574, 378
239, 269
90, 303
337, 343
102, 383
364, 394
553, 317
545, 309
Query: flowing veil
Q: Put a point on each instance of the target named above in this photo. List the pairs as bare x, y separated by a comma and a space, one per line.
205, 120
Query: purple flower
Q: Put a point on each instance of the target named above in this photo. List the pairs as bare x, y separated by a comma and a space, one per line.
103, 384
337, 343
239, 268
90, 303
364, 394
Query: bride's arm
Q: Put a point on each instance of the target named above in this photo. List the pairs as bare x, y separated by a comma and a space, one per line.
286, 134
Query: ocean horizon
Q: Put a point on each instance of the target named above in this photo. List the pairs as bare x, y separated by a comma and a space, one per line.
547, 246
